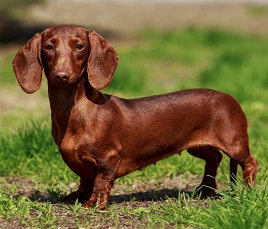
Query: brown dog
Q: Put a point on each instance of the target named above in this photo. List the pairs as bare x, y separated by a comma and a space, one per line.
102, 137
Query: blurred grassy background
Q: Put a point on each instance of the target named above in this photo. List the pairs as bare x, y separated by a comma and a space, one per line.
162, 48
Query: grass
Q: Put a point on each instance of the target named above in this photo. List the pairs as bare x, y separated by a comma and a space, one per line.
156, 63
246, 206
7, 77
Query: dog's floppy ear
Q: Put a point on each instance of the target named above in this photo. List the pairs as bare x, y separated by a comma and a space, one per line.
102, 61
27, 65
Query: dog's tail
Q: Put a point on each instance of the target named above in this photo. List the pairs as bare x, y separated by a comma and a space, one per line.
233, 171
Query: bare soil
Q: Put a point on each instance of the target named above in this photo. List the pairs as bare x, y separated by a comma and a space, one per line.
141, 191
139, 195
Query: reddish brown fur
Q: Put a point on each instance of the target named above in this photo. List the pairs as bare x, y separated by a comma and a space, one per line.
102, 137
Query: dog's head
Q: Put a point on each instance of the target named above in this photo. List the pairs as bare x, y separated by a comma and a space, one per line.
66, 54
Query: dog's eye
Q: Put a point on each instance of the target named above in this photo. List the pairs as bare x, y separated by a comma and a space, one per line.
49, 47
79, 47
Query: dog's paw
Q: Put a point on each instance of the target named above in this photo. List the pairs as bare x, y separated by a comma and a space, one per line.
100, 199
205, 191
73, 196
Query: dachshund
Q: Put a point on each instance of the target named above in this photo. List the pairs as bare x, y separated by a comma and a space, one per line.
102, 137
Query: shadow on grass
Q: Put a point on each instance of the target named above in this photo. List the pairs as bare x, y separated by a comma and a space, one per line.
57, 196
142, 197
152, 195
24, 189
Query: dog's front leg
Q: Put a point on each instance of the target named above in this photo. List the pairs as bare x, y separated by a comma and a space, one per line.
84, 165
101, 193
83, 193
106, 174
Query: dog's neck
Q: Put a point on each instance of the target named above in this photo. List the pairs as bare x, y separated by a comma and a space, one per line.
64, 98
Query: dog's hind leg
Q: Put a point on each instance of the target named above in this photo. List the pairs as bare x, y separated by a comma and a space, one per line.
233, 171
238, 152
212, 157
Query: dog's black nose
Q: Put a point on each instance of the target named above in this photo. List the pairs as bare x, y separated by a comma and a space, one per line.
62, 76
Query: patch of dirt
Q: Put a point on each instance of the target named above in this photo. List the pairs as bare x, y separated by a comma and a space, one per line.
140, 195
155, 190
121, 192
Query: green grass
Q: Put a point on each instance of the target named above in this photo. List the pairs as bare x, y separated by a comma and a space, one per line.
156, 63
7, 76
258, 11
162, 62
31, 151
245, 210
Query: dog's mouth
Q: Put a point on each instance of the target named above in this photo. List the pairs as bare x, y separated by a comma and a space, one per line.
63, 77
64, 81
